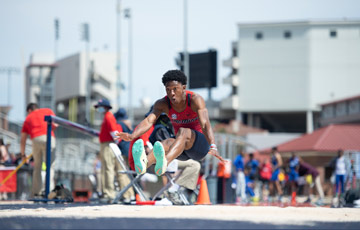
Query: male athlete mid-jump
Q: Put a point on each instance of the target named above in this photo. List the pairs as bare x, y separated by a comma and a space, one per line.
189, 116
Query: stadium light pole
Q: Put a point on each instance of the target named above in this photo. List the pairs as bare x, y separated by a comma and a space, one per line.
128, 15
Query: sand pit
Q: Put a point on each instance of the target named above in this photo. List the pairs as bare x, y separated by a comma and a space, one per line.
274, 216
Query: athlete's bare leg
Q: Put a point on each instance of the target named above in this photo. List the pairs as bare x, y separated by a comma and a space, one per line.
184, 140
272, 188
278, 188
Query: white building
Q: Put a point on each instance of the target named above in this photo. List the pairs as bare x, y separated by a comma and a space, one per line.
66, 95
285, 70
72, 84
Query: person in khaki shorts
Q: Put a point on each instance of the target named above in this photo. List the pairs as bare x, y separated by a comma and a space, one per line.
35, 126
109, 165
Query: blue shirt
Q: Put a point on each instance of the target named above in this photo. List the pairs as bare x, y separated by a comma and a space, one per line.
253, 164
274, 161
239, 163
293, 162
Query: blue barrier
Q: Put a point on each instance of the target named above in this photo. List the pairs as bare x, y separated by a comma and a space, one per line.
60, 121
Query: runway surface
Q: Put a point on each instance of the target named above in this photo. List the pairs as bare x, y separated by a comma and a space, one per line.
27, 215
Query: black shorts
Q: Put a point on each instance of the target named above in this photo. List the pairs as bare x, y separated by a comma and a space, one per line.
199, 149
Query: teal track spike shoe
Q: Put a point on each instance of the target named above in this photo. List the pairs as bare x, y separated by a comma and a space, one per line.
139, 156
161, 162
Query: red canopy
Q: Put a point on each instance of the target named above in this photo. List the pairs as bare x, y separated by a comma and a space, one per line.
327, 139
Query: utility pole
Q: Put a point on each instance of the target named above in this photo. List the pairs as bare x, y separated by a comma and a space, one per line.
86, 38
57, 36
118, 54
186, 54
128, 15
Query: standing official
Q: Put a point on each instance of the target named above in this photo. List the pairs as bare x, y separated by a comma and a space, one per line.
109, 165
35, 126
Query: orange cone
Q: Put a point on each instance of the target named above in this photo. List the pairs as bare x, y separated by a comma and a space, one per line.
137, 197
203, 197
293, 198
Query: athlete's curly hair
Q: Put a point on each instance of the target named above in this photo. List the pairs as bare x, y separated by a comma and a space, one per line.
174, 75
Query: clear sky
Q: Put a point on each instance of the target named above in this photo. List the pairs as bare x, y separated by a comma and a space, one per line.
27, 26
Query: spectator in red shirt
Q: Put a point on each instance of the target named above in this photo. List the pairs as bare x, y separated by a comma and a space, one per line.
109, 165
265, 176
35, 126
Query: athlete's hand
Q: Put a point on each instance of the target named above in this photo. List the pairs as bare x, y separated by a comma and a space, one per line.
123, 136
215, 153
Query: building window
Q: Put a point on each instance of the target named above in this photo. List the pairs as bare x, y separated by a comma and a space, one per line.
104, 82
259, 35
328, 111
333, 33
234, 52
287, 34
234, 90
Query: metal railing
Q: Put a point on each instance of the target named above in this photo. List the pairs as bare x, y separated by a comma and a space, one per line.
72, 148
14, 141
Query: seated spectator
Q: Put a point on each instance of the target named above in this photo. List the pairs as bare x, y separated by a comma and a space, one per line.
4, 154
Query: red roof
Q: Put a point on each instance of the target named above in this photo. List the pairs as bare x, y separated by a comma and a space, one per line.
341, 100
330, 138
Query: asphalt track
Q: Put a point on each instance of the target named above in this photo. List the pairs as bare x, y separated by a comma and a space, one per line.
20, 215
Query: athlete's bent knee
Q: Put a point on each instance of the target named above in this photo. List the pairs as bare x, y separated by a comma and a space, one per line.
184, 132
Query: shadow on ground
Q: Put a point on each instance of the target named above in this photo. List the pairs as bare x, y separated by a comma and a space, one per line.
146, 223
30, 222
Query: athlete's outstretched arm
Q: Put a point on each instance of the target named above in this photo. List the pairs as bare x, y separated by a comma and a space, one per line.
160, 106
198, 105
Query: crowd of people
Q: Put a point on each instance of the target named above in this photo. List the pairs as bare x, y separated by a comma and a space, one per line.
272, 179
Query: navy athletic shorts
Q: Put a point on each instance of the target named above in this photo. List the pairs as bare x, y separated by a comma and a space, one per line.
199, 149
